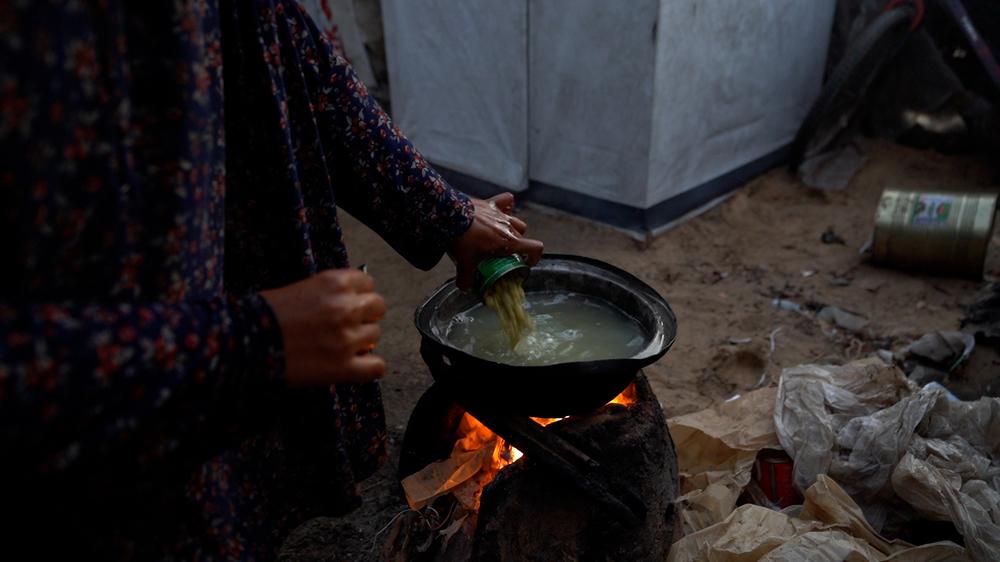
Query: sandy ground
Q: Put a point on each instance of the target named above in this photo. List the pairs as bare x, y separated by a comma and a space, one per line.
720, 273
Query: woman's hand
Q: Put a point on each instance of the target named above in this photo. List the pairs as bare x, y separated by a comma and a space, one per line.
493, 233
329, 324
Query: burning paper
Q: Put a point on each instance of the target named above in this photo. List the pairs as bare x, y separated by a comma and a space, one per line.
475, 459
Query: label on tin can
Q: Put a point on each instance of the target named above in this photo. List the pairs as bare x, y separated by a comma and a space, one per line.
775, 474
932, 209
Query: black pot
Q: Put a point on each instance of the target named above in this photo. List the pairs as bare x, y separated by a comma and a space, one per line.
560, 389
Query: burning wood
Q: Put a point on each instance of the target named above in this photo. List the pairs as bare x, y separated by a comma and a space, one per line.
476, 458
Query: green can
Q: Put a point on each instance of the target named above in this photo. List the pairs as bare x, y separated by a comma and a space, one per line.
941, 232
490, 270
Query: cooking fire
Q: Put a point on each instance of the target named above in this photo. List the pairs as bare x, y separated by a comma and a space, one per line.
477, 457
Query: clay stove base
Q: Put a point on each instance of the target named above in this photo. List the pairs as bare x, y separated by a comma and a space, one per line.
528, 513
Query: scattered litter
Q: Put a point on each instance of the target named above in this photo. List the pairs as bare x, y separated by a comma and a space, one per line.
785, 304
716, 449
876, 436
829, 528
939, 386
839, 280
895, 447
922, 375
832, 170
866, 249
935, 354
772, 472
774, 335
831, 237
740, 341
887, 356
847, 320
714, 276
922, 230
872, 285
983, 315
808, 273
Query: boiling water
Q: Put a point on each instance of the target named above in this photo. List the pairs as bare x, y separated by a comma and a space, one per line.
568, 327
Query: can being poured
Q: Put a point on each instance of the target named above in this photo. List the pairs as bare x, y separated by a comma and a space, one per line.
491, 270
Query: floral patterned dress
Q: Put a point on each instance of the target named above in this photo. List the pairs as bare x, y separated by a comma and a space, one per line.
160, 163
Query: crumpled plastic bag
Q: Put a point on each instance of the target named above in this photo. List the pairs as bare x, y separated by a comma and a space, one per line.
830, 528
880, 438
716, 449
939, 494
813, 402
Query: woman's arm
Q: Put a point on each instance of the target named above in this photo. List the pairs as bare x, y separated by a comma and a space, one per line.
380, 177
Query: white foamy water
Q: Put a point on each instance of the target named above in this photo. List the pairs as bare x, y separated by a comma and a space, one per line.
568, 327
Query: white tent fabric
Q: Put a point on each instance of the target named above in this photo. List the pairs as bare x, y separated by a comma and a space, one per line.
734, 79
638, 106
459, 84
592, 96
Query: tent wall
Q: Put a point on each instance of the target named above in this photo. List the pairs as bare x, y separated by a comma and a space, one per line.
459, 83
734, 78
591, 92
633, 115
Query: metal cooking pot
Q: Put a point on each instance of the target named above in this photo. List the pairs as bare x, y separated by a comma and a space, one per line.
556, 390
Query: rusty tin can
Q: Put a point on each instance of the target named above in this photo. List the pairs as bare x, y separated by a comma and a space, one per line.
774, 473
941, 232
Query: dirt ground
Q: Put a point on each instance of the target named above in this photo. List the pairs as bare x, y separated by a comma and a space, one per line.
720, 272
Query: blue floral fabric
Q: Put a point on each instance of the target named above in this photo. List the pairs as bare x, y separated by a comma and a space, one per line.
160, 163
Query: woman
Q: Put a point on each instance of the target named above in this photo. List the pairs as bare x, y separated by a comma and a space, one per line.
176, 301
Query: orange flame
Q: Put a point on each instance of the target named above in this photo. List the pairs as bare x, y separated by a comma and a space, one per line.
475, 435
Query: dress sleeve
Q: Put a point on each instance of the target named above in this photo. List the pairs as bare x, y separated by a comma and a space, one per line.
390, 186
79, 381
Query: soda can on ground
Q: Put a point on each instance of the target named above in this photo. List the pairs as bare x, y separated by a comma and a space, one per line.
774, 473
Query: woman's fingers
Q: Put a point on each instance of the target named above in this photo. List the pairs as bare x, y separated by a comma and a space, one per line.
519, 225
370, 307
346, 280
365, 368
326, 321
530, 249
364, 338
504, 202
494, 232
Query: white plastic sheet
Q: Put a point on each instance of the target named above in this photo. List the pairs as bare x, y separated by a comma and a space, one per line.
814, 402
868, 428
